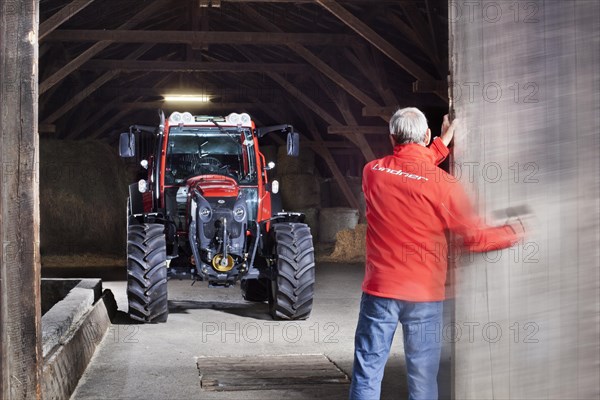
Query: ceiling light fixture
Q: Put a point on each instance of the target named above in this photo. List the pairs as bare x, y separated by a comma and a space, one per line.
187, 98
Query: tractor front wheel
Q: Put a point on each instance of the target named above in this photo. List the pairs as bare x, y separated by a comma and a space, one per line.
292, 289
147, 273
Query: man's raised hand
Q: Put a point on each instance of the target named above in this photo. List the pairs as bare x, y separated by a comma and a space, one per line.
448, 130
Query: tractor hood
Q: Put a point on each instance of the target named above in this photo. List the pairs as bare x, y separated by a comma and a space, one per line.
214, 185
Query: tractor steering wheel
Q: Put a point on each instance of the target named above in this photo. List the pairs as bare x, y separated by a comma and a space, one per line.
206, 163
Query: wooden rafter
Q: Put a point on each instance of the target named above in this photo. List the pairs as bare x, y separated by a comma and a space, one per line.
92, 87
62, 16
370, 63
312, 105
373, 37
202, 37
209, 90
420, 27
380, 43
356, 129
312, 59
341, 101
240, 107
122, 113
192, 66
307, 1
378, 111
375, 73
73, 65
95, 118
326, 155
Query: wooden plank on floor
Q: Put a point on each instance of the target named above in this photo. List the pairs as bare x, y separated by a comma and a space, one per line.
282, 372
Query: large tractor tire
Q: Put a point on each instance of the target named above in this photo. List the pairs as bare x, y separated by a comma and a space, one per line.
292, 288
147, 273
255, 289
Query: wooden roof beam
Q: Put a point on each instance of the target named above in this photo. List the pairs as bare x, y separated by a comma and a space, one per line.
192, 107
307, 1
211, 91
92, 87
192, 66
325, 153
312, 59
122, 113
380, 43
307, 101
341, 101
355, 129
373, 37
73, 65
202, 37
60, 17
46, 128
379, 111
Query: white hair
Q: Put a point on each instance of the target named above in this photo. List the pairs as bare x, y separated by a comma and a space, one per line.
408, 125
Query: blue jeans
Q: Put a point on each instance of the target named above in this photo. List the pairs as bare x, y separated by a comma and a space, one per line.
377, 322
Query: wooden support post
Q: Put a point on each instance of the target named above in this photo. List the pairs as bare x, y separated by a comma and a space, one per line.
20, 311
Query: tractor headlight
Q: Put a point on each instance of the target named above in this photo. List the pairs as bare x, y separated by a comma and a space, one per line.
234, 119
176, 118
142, 186
275, 187
239, 214
187, 118
245, 119
205, 214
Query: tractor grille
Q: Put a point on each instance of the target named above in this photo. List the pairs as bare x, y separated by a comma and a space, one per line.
220, 212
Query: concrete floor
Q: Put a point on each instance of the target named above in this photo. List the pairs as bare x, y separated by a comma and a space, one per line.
158, 361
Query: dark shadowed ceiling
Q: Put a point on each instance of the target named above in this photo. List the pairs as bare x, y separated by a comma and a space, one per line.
334, 69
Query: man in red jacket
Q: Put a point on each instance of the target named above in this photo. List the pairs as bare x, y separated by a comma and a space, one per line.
410, 205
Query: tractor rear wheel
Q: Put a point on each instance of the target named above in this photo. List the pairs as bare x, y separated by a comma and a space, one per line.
255, 289
147, 272
292, 289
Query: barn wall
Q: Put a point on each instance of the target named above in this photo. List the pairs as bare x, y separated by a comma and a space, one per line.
526, 86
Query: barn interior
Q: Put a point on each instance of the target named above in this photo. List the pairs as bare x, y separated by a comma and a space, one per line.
521, 76
336, 78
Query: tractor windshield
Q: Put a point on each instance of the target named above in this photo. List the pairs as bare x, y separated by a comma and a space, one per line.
210, 151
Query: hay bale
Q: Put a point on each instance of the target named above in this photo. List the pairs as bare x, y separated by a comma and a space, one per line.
83, 192
303, 164
349, 245
338, 199
333, 220
300, 192
312, 220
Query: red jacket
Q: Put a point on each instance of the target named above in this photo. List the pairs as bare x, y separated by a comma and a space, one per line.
410, 205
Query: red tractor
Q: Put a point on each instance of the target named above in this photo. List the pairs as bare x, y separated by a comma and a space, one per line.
207, 212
